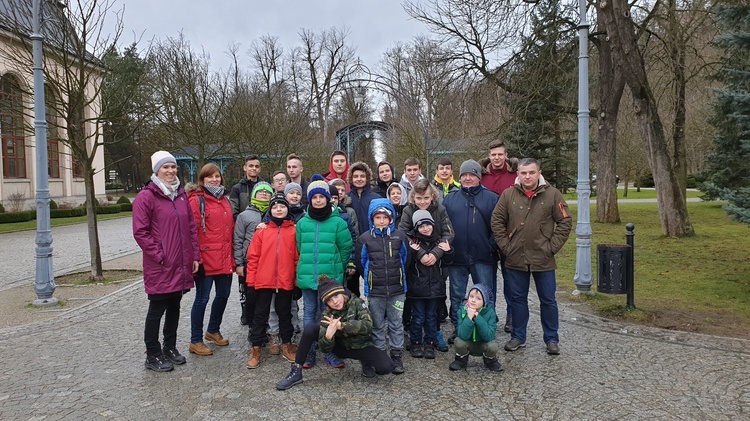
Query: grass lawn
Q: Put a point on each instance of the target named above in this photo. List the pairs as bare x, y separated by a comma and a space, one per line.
700, 283
571, 196
56, 222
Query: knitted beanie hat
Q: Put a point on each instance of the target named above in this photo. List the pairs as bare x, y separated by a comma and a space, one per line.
278, 198
328, 287
318, 186
472, 167
261, 185
292, 186
420, 217
160, 158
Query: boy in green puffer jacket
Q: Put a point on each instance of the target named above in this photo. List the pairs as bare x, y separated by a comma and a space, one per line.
476, 328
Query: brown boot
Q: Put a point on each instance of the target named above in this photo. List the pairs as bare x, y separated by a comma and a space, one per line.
254, 360
273, 344
200, 349
289, 351
217, 338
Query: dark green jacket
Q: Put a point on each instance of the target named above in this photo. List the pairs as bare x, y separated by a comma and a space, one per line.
356, 326
325, 248
481, 329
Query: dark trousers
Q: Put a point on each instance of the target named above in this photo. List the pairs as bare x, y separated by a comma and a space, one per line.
368, 356
283, 307
249, 309
156, 309
352, 282
424, 318
243, 287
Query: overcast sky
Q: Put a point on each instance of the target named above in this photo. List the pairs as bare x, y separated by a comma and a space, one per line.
373, 26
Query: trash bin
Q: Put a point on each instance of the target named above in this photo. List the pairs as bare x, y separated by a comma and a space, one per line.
612, 268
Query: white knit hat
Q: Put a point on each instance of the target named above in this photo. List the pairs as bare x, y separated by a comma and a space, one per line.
160, 158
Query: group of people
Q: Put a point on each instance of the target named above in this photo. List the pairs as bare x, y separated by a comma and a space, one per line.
405, 239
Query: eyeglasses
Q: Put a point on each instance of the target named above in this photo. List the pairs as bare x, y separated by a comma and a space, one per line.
279, 180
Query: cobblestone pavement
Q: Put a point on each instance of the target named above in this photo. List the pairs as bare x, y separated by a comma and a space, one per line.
87, 363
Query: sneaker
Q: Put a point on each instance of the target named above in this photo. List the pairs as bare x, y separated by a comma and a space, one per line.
493, 364
199, 348
398, 361
368, 371
508, 325
253, 361
289, 351
333, 360
310, 360
416, 350
173, 356
243, 319
459, 363
274, 344
441, 345
553, 348
158, 363
429, 351
216, 338
452, 338
514, 344
293, 378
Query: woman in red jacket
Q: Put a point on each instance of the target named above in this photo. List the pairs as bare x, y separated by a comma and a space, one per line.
213, 217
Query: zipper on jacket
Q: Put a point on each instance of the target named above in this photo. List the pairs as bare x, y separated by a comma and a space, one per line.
276, 266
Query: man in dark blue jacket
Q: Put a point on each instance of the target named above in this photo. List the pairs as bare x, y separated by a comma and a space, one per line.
470, 211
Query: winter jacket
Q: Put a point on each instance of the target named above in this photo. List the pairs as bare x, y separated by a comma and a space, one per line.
530, 230
244, 228
444, 189
381, 257
361, 205
407, 184
356, 326
443, 224
331, 174
166, 232
470, 212
239, 196
272, 257
427, 281
324, 247
498, 179
297, 212
215, 240
481, 329
381, 187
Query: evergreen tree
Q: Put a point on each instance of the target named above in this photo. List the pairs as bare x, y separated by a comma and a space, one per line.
728, 166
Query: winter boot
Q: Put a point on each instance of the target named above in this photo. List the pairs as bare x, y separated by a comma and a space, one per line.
293, 378
416, 350
398, 361
273, 343
493, 364
441, 345
253, 361
459, 363
289, 351
429, 351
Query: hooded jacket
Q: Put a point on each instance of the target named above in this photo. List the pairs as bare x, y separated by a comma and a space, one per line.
239, 196
166, 232
470, 212
484, 325
272, 257
361, 199
498, 179
381, 256
356, 326
530, 230
381, 187
401, 203
331, 174
244, 228
215, 241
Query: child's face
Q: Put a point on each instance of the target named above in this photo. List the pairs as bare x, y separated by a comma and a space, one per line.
342, 190
318, 201
395, 195
263, 195
336, 302
335, 200
278, 210
423, 200
475, 300
381, 220
425, 229
294, 197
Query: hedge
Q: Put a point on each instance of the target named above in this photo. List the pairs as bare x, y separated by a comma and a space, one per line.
123, 199
108, 209
126, 207
66, 213
17, 216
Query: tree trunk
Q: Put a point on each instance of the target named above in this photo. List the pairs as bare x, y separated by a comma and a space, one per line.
611, 87
679, 80
93, 229
675, 221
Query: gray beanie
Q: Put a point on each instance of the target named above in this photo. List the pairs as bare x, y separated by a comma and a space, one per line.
420, 217
292, 186
471, 166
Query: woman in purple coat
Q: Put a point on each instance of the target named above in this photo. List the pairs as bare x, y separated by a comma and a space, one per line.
164, 228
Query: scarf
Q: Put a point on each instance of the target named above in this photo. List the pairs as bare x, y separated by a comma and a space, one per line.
320, 214
278, 221
429, 240
169, 189
216, 192
262, 205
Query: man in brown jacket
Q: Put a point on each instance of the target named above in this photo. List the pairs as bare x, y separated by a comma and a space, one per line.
531, 223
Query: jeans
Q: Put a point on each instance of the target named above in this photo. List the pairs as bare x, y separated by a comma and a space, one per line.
156, 309
313, 307
387, 319
223, 285
518, 282
481, 273
424, 318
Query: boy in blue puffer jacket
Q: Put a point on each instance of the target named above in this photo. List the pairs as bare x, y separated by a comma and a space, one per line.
477, 323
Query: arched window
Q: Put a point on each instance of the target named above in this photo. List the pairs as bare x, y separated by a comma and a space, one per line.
53, 137
11, 128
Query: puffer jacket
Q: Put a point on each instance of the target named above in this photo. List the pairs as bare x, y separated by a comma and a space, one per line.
324, 249
443, 224
356, 326
166, 232
381, 257
470, 212
427, 281
244, 228
272, 257
215, 241
530, 230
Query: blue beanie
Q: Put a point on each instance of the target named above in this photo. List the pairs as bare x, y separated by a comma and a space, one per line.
318, 186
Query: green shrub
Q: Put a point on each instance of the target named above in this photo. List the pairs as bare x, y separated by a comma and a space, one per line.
100, 210
646, 180
126, 207
52, 204
2, 208
22, 216
122, 200
67, 213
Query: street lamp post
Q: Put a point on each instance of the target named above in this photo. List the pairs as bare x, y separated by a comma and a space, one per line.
582, 277
45, 283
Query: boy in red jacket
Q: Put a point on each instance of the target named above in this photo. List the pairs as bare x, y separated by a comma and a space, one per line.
271, 269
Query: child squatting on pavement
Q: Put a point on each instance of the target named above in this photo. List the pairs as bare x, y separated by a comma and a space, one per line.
345, 330
476, 331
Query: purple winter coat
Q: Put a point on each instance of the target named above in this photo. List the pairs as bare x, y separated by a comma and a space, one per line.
167, 234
